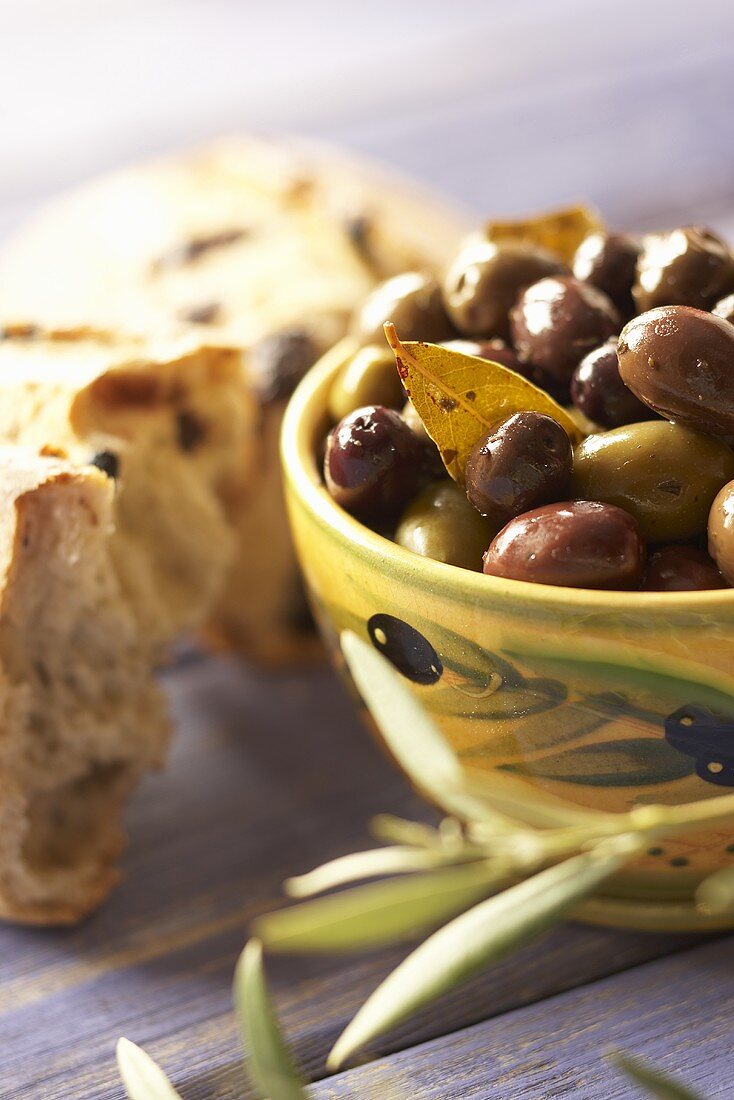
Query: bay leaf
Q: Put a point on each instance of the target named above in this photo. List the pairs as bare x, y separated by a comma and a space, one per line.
142, 1077
656, 1083
269, 1064
461, 397
560, 231
482, 935
379, 913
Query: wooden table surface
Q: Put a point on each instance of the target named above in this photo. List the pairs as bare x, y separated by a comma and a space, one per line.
507, 108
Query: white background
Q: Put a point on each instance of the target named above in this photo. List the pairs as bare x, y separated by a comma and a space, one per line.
507, 106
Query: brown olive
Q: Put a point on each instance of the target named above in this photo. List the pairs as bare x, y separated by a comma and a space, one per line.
680, 362
413, 303
373, 463
486, 278
665, 475
721, 531
608, 261
495, 350
598, 391
690, 266
681, 569
524, 461
441, 524
725, 309
556, 321
579, 544
370, 377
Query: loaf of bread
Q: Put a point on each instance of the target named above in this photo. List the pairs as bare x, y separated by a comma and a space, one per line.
255, 244
81, 716
171, 424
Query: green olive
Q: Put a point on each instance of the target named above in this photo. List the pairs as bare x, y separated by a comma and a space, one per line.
370, 377
441, 524
413, 303
414, 422
663, 474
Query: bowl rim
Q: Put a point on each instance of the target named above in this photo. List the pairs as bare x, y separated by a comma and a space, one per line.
307, 408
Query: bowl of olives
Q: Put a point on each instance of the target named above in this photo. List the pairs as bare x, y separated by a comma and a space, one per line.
524, 498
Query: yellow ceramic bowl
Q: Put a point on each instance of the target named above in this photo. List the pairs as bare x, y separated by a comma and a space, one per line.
604, 699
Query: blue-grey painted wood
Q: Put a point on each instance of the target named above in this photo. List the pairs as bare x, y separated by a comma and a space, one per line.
676, 1012
270, 775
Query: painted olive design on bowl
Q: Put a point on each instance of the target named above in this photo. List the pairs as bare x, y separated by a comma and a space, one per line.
706, 737
406, 648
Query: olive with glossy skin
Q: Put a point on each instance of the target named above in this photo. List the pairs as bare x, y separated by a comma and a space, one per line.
370, 377
556, 321
598, 391
577, 544
680, 362
608, 261
373, 463
485, 279
441, 524
413, 303
665, 475
690, 266
721, 531
681, 569
495, 350
524, 461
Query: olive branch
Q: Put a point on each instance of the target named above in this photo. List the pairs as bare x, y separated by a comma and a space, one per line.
505, 864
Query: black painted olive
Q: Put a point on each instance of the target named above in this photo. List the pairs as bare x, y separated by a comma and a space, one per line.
485, 280
608, 261
406, 648
525, 461
680, 362
721, 531
681, 569
108, 462
598, 391
690, 266
577, 544
413, 303
373, 463
556, 321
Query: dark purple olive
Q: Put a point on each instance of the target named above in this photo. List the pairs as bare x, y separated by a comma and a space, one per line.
577, 544
690, 266
598, 391
525, 460
556, 321
608, 261
681, 569
680, 362
485, 279
373, 463
495, 350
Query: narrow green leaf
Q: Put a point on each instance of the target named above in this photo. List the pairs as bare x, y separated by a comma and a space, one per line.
398, 859
655, 1083
380, 912
416, 743
716, 893
527, 804
484, 934
142, 1078
396, 830
269, 1064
